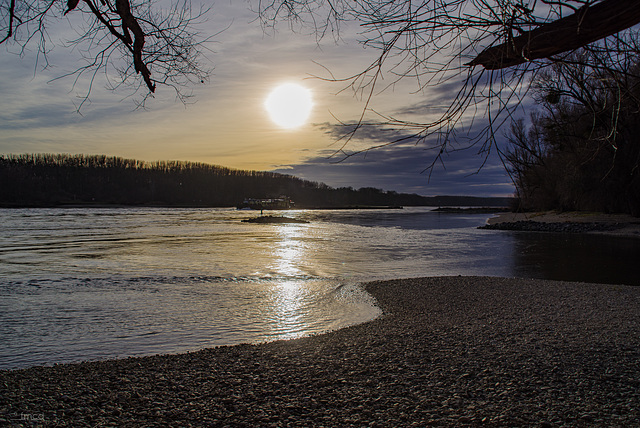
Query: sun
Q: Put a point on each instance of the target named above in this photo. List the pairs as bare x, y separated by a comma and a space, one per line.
289, 105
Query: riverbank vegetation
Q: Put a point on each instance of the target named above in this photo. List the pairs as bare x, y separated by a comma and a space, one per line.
42, 180
580, 150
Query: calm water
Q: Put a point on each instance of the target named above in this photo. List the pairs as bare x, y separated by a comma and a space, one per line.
84, 284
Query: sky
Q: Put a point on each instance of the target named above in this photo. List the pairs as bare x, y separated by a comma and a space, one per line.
226, 123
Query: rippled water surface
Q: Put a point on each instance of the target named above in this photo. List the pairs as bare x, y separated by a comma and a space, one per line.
83, 284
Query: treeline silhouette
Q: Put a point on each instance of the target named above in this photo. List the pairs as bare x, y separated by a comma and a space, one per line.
45, 180
581, 149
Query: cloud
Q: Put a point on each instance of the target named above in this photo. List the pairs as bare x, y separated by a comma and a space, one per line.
408, 168
402, 158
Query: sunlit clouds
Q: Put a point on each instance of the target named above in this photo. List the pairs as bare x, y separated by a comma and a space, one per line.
238, 119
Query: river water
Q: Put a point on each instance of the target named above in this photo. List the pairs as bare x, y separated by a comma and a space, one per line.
87, 284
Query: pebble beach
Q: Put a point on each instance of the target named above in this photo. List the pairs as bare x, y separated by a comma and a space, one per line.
447, 351
620, 225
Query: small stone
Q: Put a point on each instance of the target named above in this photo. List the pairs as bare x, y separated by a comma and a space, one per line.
586, 417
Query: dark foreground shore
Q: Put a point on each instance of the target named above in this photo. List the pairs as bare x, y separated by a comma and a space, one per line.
459, 351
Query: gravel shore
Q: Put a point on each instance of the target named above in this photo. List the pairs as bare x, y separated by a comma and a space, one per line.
554, 227
452, 351
621, 225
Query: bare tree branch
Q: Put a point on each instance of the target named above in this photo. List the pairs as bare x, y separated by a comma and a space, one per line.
134, 37
587, 25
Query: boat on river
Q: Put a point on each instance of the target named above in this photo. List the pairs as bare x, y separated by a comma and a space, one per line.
281, 203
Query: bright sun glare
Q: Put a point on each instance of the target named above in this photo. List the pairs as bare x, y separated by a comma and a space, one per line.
289, 105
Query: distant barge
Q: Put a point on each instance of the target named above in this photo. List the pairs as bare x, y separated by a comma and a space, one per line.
281, 203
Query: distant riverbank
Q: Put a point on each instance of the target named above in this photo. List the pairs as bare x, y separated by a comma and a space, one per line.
449, 351
622, 225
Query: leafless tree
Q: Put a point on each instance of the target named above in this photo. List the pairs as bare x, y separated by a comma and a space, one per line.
494, 47
139, 42
580, 150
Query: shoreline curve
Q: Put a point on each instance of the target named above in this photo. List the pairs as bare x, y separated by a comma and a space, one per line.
448, 351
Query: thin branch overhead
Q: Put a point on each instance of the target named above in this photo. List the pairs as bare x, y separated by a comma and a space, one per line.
138, 39
494, 48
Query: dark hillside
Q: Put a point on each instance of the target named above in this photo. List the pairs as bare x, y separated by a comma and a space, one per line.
45, 180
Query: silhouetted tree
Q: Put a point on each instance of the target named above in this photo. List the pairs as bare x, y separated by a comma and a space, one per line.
582, 150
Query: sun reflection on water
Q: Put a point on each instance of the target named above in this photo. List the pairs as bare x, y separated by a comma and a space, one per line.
289, 297
289, 250
290, 292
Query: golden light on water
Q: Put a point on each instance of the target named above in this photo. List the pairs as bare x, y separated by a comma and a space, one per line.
289, 252
290, 292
